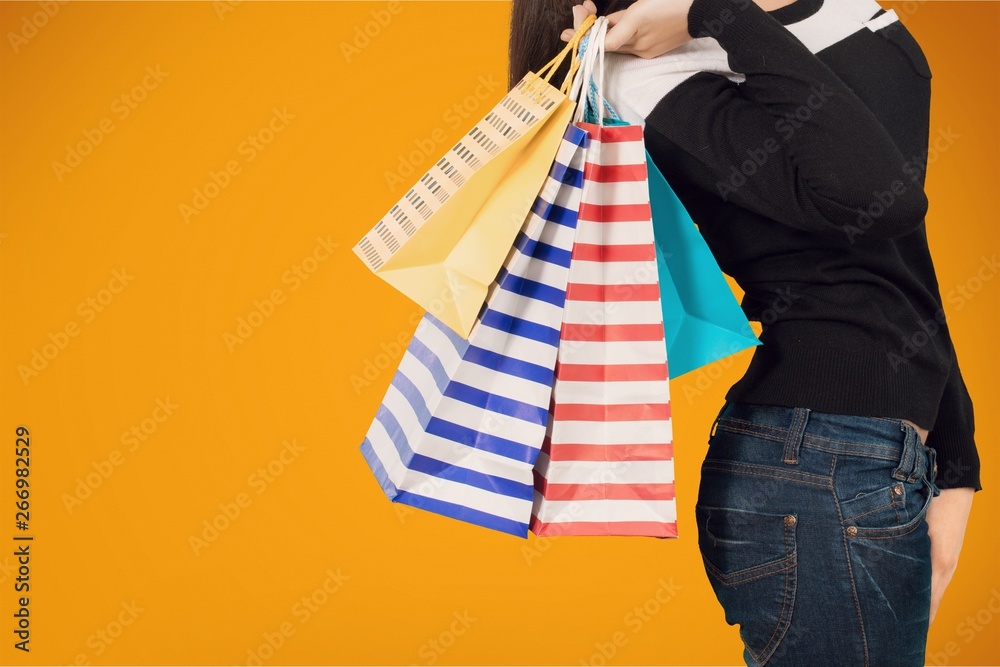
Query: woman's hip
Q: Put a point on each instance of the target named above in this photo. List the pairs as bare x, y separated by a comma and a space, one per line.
813, 524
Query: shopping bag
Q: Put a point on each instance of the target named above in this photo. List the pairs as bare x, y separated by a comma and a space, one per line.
702, 319
445, 239
461, 425
606, 466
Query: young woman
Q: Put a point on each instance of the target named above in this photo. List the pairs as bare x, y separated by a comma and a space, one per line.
796, 135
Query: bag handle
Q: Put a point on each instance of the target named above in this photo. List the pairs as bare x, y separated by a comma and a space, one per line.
569, 83
592, 104
594, 53
581, 74
550, 67
599, 67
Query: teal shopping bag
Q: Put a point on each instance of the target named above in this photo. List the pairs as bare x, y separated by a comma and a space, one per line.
702, 320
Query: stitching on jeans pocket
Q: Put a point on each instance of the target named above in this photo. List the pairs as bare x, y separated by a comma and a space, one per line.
881, 503
741, 544
752, 562
923, 491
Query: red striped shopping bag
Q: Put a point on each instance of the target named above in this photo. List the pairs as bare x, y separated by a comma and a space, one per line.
606, 465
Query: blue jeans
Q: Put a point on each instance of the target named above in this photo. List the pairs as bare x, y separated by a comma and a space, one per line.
813, 533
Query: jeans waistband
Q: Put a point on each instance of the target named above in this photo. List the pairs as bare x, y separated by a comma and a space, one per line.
886, 438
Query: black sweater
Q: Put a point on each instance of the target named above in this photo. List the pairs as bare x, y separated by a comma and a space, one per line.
797, 139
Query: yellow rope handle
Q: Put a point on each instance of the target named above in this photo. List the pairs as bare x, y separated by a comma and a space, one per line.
574, 65
553, 65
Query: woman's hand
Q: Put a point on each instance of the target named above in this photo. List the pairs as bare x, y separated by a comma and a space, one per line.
647, 29
947, 517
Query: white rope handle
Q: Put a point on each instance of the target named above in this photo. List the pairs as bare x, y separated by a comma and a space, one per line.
583, 76
599, 66
586, 72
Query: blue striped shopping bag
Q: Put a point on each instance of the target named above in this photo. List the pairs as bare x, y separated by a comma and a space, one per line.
607, 466
462, 423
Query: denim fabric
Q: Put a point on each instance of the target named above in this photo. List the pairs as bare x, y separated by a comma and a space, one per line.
812, 530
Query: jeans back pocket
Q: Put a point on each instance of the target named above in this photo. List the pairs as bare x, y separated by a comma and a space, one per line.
751, 561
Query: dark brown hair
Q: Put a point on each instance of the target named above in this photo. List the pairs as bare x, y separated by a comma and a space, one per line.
535, 26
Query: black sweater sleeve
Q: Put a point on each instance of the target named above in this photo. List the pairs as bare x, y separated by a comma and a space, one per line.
953, 435
791, 142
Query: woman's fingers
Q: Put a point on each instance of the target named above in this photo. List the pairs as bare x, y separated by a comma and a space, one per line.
580, 12
622, 29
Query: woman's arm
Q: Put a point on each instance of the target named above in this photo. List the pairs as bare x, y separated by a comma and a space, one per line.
816, 174
947, 518
958, 477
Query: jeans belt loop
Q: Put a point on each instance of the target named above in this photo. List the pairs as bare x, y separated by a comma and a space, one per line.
932, 473
793, 439
907, 468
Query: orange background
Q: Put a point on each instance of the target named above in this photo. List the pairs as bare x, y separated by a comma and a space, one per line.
115, 576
